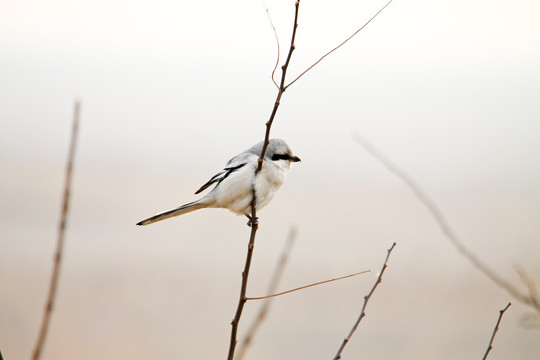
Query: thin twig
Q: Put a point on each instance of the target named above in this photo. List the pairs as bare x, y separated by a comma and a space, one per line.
366, 299
445, 227
307, 286
60, 241
490, 346
245, 274
281, 89
340, 45
276, 276
277, 43
254, 221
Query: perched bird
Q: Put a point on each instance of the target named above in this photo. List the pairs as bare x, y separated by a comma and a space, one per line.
234, 184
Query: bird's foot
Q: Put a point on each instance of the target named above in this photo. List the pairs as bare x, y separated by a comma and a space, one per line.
252, 221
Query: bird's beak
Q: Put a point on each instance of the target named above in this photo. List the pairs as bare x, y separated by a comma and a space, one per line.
295, 159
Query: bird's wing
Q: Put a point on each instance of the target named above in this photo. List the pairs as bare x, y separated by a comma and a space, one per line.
231, 167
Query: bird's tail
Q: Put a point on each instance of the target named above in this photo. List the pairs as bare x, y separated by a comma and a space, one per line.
184, 209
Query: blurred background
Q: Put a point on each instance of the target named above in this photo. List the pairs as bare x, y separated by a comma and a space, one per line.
171, 90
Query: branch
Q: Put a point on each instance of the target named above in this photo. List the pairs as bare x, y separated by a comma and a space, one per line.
307, 286
501, 312
253, 220
60, 241
366, 299
245, 274
446, 229
281, 89
278, 271
277, 43
340, 45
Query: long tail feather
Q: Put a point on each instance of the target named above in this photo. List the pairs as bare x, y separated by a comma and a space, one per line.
184, 209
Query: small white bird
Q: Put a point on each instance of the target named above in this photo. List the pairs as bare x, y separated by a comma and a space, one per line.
234, 183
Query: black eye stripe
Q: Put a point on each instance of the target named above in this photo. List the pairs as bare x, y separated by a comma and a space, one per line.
276, 157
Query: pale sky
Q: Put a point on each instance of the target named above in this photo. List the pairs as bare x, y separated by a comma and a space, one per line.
171, 90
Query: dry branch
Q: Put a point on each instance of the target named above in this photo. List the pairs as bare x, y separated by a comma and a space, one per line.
490, 346
276, 276
307, 286
281, 89
366, 299
254, 221
340, 45
277, 44
42, 336
531, 299
243, 288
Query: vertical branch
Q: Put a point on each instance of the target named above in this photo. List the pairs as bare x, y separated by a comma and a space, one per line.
253, 220
366, 299
281, 89
490, 346
60, 242
276, 276
245, 274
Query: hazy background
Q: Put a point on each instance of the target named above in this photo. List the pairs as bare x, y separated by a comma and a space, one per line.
171, 90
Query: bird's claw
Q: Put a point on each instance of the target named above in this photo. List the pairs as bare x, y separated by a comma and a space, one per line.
252, 221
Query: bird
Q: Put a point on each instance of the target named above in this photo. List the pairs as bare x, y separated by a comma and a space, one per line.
234, 184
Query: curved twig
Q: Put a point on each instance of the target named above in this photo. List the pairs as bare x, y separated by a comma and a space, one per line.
60, 241
277, 43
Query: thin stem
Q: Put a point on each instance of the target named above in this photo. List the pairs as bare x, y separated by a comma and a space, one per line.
253, 221
366, 299
42, 336
278, 271
281, 89
245, 275
307, 286
340, 45
490, 346
277, 43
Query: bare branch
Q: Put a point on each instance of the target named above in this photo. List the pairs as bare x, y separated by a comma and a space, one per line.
366, 299
245, 274
278, 271
307, 286
340, 45
42, 336
490, 346
254, 221
281, 89
446, 229
277, 43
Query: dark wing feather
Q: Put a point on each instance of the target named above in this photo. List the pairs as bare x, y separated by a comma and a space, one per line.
220, 176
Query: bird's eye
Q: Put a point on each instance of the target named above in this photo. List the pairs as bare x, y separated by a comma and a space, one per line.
276, 157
